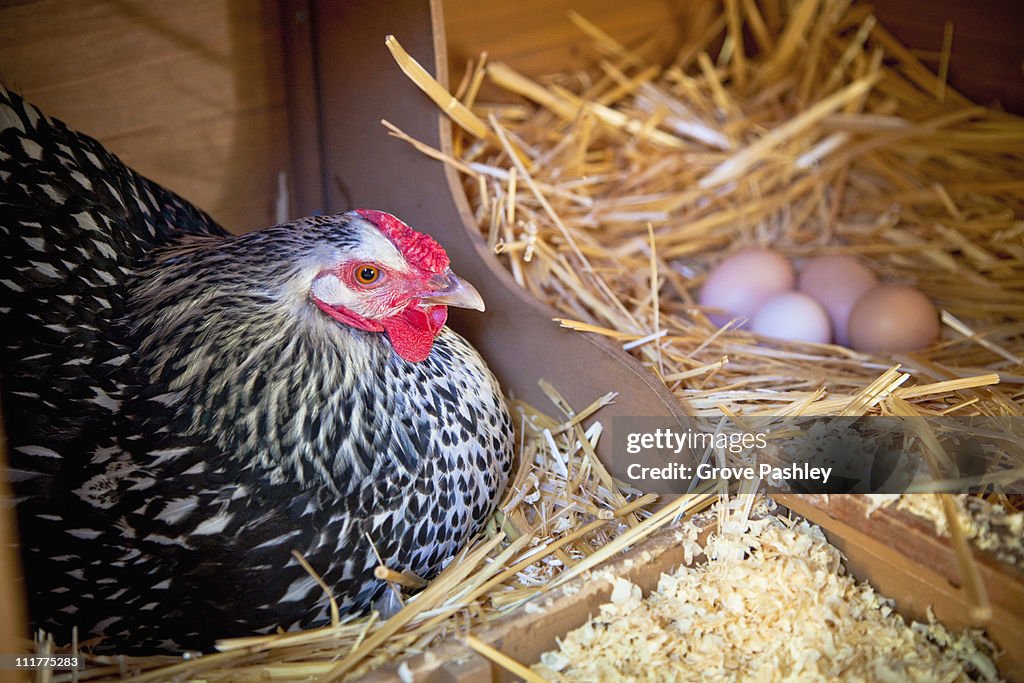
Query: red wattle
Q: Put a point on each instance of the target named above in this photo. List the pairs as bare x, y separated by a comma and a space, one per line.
413, 330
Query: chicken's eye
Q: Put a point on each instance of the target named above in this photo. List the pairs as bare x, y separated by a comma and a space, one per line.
367, 275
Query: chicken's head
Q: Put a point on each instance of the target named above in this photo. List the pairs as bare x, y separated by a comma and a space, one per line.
394, 280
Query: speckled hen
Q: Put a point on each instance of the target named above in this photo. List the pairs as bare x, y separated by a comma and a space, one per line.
185, 408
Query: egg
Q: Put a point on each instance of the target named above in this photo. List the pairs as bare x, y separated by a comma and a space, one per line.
793, 316
837, 282
893, 318
745, 280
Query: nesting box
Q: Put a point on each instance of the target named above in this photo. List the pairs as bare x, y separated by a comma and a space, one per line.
284, 101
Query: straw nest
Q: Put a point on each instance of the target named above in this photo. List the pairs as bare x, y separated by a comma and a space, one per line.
610, 194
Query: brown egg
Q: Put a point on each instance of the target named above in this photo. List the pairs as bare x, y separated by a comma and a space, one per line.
893, 318
837, 282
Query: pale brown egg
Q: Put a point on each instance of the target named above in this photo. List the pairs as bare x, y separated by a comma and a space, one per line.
837, 282
893, 318
745, 280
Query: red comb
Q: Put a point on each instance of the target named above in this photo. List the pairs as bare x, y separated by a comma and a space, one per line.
419, 249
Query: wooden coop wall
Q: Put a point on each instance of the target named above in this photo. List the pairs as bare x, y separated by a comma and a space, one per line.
191, 93
188, 92
986, 58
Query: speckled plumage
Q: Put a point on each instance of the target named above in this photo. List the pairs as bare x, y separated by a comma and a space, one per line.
181, 417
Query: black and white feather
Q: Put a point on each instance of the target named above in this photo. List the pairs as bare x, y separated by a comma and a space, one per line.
180, 417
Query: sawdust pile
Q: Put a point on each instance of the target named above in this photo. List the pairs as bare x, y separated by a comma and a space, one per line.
773, 602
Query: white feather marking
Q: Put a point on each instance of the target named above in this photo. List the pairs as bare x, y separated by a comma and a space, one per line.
165, 540
117, 360
38, 451
279, 540
106, 277
37, 243
299, 589
33, 115
163, 585
170, 398
11, 285
14, 476
44, 268
101, 455
178, 509
332, 291
81, 179
198, 468
213, 525
32, 148
103, 400
126, 530
85, 534
163, 455
10, 119
104, 248
86, 222
53, 193
115, 193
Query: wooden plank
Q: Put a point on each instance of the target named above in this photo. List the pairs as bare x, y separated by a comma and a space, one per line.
525, 636
887, 562
987, 51
188, 93
308, 182
903, 558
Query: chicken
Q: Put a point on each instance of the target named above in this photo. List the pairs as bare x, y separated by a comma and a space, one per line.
186, 408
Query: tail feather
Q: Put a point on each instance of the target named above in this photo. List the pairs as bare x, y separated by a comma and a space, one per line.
75, 224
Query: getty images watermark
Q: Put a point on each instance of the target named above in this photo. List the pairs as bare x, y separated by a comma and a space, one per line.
663, 440
822, 454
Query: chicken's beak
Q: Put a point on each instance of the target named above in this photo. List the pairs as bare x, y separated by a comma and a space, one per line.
448, 289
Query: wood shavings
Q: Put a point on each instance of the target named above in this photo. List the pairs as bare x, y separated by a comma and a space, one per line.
772, 602
991, 527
